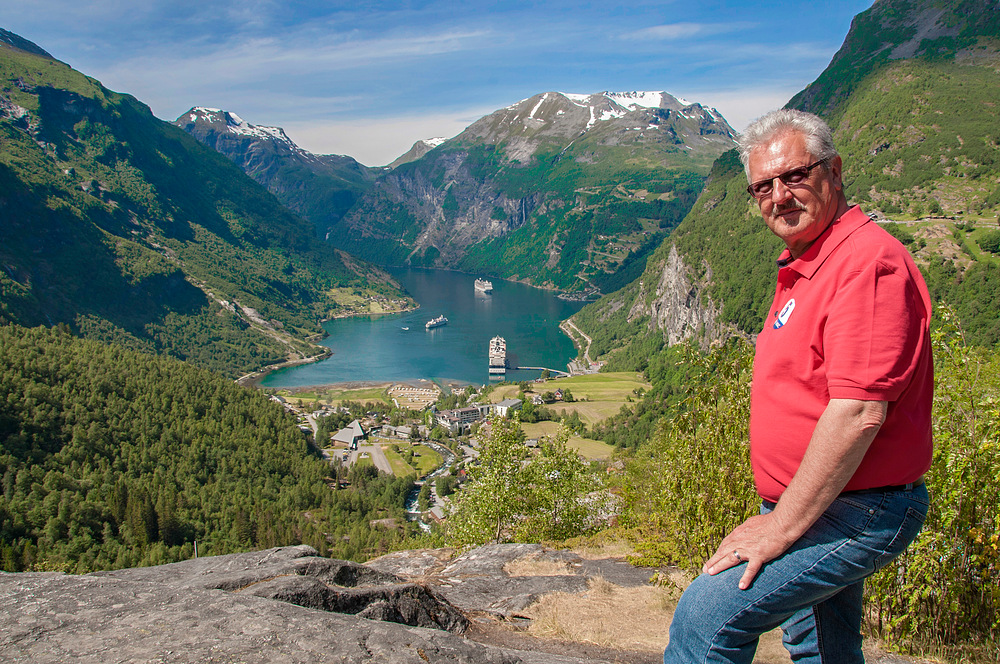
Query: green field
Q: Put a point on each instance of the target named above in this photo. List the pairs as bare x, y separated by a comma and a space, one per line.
597, 396
587, 448
424, 458
334, 396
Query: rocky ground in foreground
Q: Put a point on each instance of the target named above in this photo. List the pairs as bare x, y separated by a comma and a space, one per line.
291, 605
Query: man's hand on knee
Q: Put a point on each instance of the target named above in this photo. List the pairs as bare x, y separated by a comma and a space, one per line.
756, 541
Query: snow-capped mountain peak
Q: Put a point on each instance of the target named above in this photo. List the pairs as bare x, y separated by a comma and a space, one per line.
232, 123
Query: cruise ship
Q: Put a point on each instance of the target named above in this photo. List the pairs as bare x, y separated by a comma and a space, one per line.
484, 286
498, 355
436, 322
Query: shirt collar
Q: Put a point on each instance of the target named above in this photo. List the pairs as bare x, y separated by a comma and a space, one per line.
830, 239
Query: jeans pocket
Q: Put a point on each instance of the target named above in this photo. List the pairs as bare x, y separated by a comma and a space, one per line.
911, 524
849, 516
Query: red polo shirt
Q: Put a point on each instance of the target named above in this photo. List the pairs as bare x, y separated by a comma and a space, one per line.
850, 320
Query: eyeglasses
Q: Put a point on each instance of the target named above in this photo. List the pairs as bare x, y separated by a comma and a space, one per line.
792, 178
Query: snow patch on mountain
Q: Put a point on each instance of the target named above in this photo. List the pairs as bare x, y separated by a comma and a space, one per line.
634, 100
531, 116
579, 100
237, 125
611, 114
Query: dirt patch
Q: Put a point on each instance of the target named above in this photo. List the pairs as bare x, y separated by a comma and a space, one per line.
632, 622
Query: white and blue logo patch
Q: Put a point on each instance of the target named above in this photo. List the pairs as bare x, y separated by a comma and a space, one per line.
784, 314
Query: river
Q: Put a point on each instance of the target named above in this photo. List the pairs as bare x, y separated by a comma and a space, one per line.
396, 347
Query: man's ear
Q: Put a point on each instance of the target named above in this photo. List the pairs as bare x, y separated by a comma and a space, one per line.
836, 166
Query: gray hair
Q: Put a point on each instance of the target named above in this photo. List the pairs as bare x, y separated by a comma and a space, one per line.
763, 130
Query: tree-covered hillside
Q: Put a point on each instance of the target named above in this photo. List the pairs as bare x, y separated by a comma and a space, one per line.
128, 230
110, 459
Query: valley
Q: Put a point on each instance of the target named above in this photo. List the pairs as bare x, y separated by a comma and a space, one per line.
147, 264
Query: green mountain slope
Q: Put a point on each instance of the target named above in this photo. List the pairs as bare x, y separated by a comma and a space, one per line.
321, 188
564, 191
128, 230
111, 459
912, 99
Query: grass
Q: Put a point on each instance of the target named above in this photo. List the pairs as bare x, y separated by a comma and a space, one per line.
597, 397
586, 447
641, 621
399, 467
425, 460
334, 396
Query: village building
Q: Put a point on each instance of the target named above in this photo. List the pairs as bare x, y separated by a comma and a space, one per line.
504, 407
458, 420
350, 435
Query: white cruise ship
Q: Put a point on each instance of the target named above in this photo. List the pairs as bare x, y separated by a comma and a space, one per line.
484, 286
498, 355
436, 322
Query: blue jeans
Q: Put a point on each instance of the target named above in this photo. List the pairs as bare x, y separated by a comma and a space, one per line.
813, 590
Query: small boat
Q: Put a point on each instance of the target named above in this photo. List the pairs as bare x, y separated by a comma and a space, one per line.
405, 328
436, 322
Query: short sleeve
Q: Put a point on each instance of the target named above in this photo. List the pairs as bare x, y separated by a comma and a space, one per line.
874, 332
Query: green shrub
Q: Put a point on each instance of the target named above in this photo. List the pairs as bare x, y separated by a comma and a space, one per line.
512, 496
692, 485
990, 242
943, 592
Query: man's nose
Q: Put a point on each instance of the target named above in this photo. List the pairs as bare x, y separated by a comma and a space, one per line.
780, 192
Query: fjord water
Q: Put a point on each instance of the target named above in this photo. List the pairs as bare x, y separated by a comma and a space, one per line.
379, 348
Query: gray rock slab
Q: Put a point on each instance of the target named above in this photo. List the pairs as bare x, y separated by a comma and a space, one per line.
238, 570
52, 618
478, 580
298, 575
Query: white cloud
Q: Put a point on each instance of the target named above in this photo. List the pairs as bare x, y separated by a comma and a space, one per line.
743, 106
676, 31
378, 142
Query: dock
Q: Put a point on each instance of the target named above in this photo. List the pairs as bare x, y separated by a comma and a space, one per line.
564, 374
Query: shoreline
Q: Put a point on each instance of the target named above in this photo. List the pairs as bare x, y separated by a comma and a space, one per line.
351, 385
254, 379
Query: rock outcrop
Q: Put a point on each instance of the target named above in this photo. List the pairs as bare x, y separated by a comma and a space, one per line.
483, 581
298, 575
677, 303
288, 605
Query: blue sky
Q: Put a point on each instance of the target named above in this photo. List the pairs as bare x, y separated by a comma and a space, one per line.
368, 78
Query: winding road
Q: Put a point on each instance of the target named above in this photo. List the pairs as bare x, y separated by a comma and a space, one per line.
568, 323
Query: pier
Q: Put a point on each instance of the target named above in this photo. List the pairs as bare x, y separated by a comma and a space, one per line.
564, 374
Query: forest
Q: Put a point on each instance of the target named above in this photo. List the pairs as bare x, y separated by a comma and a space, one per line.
112, 458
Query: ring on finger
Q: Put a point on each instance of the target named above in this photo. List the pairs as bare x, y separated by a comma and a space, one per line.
739, 558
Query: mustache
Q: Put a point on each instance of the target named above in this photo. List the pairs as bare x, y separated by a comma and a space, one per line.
790, 206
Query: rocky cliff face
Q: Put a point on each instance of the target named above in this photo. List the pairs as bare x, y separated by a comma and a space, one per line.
669, 299
677, 304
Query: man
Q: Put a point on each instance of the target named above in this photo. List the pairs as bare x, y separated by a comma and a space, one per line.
840, 428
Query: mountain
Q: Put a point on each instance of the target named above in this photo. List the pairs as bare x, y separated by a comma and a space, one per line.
559, 190
128, 230
912, 99
418, 150
321, 188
